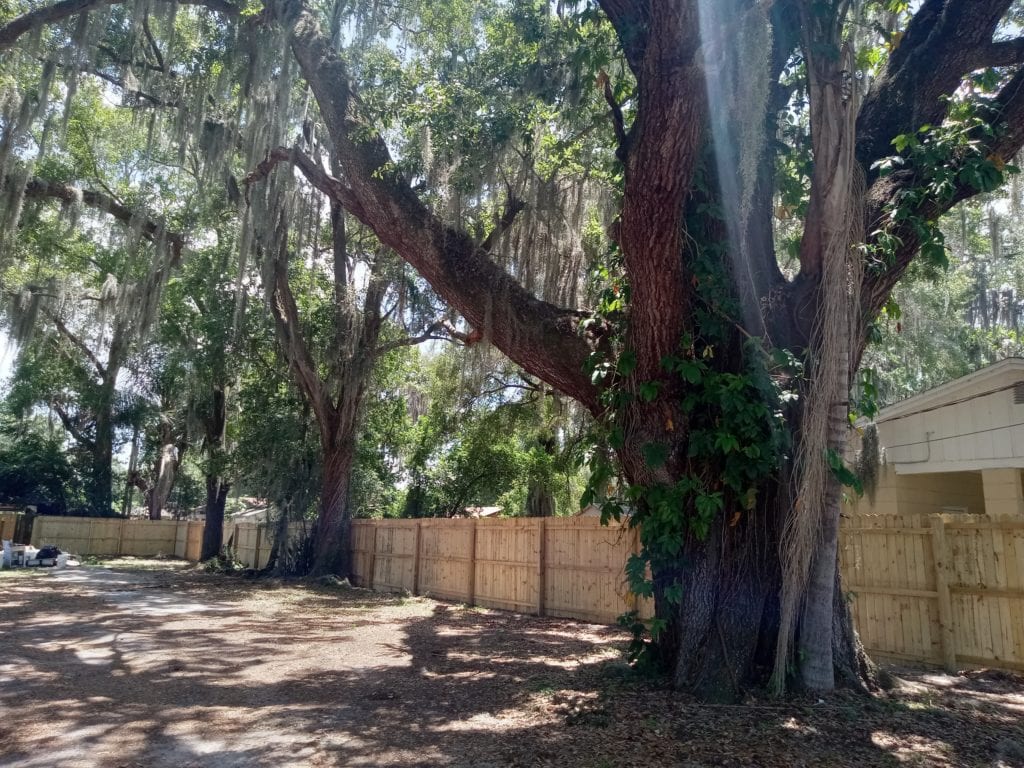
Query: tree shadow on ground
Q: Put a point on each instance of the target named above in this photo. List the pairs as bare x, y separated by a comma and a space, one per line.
184, 669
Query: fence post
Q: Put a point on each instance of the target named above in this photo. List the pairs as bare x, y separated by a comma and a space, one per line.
373, 557
256, 552
635, 550
120, 537
939, 555
541, 565
471, 598
416, 559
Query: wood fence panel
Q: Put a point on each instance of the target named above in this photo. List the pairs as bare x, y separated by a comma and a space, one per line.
888, 572
986, 589
180, 540
362, 552
8, 525
446, 559
394, 558
194, 540
507, 556
148, 538
79, 535
945, 589
252, 543
585, 566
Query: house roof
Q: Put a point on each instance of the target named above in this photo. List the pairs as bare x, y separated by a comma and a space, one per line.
979, 383
482, 511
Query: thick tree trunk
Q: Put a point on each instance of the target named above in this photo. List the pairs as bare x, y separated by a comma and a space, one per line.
213, 531
724, 627
333, 526
722, 634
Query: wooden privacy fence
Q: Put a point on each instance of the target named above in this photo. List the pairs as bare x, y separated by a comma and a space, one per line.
571, 567
252, 542
945, 589
16, 526
119, 536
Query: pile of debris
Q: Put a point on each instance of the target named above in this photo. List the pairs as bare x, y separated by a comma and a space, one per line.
27, 556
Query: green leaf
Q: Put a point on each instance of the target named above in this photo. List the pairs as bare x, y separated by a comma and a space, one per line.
674, 594
690, 370
648, 390
627, 363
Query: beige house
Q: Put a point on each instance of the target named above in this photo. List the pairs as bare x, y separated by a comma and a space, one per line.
956, 448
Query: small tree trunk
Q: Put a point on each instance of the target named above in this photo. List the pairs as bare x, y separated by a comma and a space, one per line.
814, 639
99, 485
129, 484
167, 470
217, 487
540, 502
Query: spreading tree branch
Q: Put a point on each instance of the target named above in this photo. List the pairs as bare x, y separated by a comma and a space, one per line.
152, 44
1004, 53
51, 14
151, 229
71, 426
118, 83
289, 331
77, 342
513, 207
618, 122
540, 336
944, 41
1008, 111
334, 188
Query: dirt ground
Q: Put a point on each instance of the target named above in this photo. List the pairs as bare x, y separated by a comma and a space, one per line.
155, 664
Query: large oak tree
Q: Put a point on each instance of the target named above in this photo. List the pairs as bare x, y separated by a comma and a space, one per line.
722, 378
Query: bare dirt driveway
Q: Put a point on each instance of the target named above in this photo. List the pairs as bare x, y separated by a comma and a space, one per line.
155, 664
